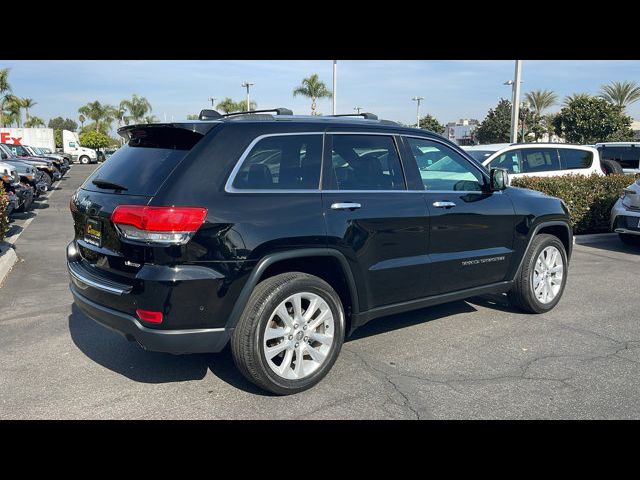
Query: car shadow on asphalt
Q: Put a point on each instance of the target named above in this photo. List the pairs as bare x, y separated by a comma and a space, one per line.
613, 245
126, 358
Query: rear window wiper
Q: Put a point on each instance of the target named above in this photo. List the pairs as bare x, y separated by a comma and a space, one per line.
106, 184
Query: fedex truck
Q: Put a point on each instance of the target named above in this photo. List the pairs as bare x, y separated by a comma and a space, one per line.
34, 137
71, 145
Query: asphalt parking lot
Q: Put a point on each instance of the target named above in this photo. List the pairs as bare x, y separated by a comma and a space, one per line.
472, 359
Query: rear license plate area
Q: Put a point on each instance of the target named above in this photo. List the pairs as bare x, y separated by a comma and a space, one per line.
93, 232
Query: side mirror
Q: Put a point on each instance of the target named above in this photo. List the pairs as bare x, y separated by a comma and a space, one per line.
499, 179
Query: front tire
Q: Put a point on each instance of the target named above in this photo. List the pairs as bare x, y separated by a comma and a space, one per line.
84, 160
540, 283
290, 333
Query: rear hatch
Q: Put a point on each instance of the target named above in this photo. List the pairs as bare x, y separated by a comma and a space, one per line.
131, 176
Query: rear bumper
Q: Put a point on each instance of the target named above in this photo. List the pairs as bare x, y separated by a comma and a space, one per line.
168, 341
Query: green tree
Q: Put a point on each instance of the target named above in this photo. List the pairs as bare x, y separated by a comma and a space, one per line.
13, 110
227, 105
98, 112
28, 103
431, 124
540, 100
150, 119
574, 96
313, 88
193, 117
82, 119
590, 120
34, 122
58, 124
496, 127
241, 106
102, 127
621, 94
95, 140
137, 108
5, 89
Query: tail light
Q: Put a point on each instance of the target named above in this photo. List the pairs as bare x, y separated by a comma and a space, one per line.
163, 225
149, 316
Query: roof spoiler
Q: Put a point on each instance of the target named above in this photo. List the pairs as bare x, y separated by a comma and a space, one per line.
209, 115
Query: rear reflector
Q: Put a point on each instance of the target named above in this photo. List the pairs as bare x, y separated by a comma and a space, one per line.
149, 316
166, 225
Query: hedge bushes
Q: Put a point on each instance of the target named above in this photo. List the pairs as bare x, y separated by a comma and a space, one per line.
589, 199
4, 219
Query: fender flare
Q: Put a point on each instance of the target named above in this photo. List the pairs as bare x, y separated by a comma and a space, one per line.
272, 258
535, 231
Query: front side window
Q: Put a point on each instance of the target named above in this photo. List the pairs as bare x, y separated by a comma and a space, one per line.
442, 168
509, 161
539, 160
365, 162
572, 159
285, 162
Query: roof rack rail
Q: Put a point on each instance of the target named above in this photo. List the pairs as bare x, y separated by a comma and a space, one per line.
365, 115
278, 111
209, 115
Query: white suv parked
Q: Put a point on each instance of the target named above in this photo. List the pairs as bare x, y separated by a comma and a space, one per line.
546, 160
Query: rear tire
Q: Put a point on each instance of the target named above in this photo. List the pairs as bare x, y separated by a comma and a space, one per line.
537, 276
260, 322
611, 167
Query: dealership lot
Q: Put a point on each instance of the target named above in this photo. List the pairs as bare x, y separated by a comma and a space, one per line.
467, 359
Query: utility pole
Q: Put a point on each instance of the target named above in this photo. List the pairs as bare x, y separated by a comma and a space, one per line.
515, 102
335, 84
248, 85
357, 109
212, 100
417, 99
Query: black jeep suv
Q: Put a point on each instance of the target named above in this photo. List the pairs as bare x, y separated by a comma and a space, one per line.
281, 234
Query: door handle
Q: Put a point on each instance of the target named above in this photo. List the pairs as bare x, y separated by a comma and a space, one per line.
444, 204
345, 206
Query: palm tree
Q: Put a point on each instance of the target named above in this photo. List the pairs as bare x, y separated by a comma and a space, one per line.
621, 94
137, 107
241, 106
227, 105
5, 88
13, 107
33, 122
540, 100
574, 97
95, 111
82, 120
312, 88
28, 103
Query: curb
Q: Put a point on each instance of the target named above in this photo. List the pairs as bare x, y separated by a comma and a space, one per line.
8, 259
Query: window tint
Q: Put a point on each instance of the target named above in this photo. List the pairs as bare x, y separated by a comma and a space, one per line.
539, 160
365, 162
510, 161
629, 157
571, 159
288, 162
441, 168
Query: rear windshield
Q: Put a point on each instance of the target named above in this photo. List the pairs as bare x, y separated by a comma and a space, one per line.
142, 165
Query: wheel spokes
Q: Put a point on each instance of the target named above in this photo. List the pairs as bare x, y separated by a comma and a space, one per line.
272, 333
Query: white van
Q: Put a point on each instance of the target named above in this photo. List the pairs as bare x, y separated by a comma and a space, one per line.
546, 160
71, 145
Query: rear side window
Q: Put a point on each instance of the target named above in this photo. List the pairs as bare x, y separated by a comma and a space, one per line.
146, 161
572, 159
283, 162
628, 157
365, 162
539, 160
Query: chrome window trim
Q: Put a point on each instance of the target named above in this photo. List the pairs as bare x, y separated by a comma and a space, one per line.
229, 188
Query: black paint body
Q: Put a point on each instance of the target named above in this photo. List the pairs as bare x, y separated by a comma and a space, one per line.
396, 252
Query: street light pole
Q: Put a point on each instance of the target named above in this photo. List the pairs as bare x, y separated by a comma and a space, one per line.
335, 84
418, 99
515, 102
248, 85
357, 109
212, 100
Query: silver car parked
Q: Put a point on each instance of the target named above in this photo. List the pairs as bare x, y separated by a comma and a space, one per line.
625, 215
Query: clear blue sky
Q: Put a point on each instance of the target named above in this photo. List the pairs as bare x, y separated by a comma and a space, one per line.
452, 89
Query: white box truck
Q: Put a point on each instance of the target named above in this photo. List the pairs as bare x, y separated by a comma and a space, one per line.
35, 137
71, 145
